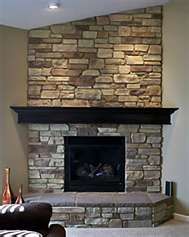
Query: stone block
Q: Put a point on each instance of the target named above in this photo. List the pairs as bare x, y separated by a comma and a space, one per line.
57, 163
111, 28
107, 92
64, 48
152, 58
127, 216
97, 221
60, 63
153, 189
115, 223
143, 213
135, 60
104, 79
44, 149
102, 20
141, 69
39, 33
93, 212
127, 98
149, 151
124, 47
88, 94
124, 31
103, 45
79, 61
121, 17
59, 217
107, 215
118, 54
106, 130
59, 127
152, 174
114, 62
60, 149
155, 49
109, 210
115, 40
34, 174
154, 139
154, 160
67, 94
65, 72
141, 47
34, 72
50, 94
125, 210
151, 22
139, 223
76, 218
89, 34
52, 55
138, 137
39, 127
124, 69
154, 90
68, 210
96, 63
105, 53
86, 43
135, 175
69, 41
91, 72
63, 28
83, 81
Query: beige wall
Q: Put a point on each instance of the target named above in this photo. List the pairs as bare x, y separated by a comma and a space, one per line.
1, 101
13, 91
176, 94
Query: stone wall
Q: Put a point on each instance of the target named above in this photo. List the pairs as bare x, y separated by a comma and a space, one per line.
113, 217
110, 60
143, 154
106, 61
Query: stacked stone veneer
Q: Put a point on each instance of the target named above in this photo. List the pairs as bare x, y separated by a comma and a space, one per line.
46, 154
114, 217
106, 61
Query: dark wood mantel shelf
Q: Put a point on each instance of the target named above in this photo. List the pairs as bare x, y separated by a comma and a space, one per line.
28, 114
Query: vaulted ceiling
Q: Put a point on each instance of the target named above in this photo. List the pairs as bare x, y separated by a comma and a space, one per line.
27, 14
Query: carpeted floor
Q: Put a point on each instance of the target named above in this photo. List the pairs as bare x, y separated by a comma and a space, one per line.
170, 229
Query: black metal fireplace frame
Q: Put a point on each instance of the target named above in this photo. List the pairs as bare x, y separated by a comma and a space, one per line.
117, 186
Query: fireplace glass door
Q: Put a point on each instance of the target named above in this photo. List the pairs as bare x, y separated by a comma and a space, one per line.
94, 164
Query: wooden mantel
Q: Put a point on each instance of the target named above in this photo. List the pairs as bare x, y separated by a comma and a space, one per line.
28, 114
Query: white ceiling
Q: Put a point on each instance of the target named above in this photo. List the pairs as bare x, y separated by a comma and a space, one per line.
27, 14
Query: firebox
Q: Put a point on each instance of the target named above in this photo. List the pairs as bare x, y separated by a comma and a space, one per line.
95, 164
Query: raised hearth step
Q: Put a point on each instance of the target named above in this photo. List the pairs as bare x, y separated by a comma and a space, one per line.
121, 210
98, 199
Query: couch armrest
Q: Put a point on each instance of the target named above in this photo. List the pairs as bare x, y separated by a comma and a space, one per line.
56, 231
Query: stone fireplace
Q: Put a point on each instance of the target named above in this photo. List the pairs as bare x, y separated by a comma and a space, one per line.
142, 156
112, 61
106, 61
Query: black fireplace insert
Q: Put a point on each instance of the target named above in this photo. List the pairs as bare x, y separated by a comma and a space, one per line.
94, 164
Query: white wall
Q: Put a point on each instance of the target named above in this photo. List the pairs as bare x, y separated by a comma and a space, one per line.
13, 91
176, 94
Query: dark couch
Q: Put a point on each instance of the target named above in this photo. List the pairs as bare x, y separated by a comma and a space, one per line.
31, 217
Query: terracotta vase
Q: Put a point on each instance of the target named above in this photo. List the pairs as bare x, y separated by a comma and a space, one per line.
7, 196
19, 199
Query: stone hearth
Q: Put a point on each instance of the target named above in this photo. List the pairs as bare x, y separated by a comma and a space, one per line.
107, 209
